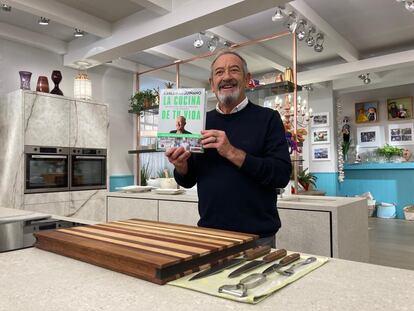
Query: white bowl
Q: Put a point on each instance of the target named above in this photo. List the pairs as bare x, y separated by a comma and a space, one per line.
168, 183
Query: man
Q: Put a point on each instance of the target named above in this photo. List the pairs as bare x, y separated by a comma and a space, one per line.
179, 125
246, 157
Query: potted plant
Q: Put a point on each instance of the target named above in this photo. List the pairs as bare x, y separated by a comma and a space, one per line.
145, 173
389, 151
307, 179
141, 100
169, 85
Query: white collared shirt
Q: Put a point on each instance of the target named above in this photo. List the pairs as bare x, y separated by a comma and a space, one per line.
239, 107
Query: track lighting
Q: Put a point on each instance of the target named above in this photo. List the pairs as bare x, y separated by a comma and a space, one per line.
198, 42
212, 44
78, 33
409, 5
5, 7
43, 21
310, 41
301, 30
278, 14
365, 78
318, 43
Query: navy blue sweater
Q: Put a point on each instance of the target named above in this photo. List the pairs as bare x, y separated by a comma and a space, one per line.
242, 199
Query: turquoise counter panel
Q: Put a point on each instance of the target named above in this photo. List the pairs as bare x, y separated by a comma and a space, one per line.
120, 181
328, 182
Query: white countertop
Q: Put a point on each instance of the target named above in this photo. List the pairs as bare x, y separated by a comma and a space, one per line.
33, 279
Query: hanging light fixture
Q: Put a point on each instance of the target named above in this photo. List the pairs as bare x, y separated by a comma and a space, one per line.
43, 21
198, 42
78, 33
318, 43
278, 14
82, 87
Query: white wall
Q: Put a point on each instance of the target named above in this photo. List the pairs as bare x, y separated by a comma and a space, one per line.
380, 95
109, 85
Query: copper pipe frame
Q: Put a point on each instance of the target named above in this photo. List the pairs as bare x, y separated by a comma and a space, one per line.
295, 111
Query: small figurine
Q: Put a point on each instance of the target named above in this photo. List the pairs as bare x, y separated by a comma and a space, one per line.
406, 155
346, 130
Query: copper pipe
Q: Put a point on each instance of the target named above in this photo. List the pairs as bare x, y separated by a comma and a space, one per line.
138, 138
295, 110
177, 75
208, 54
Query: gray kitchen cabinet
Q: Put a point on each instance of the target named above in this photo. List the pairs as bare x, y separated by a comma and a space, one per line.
126, 208
305, 231
90, 205
88, 125
46, 120
178, 212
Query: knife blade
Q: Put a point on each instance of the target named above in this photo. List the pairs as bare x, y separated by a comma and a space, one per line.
249, 255
284, 262
258, 263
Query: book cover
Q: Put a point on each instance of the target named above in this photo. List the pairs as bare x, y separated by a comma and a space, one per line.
181, 119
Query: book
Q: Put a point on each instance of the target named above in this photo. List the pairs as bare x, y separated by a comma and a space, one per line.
181, 119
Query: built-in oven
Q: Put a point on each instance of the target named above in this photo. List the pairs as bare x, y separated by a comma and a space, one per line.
46, 169
88, 169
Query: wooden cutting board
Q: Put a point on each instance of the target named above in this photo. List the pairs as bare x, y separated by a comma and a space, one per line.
154, 251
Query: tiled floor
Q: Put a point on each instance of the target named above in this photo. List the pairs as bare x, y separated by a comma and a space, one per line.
391, 242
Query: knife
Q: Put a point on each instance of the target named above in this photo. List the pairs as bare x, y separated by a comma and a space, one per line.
284, 262
258, 263
249, 255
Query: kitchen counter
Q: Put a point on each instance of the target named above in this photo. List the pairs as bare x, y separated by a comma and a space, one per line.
38, 280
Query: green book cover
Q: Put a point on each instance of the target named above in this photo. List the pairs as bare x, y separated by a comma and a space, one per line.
181, 119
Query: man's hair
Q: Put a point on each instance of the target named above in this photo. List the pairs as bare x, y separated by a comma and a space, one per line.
224, 52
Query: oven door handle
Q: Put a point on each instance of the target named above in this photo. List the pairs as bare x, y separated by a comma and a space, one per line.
35, 156
90, 157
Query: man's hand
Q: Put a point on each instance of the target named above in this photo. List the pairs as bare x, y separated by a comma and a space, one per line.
218, 139
178, 157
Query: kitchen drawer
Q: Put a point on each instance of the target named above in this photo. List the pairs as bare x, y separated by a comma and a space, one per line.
126, 208
179, 212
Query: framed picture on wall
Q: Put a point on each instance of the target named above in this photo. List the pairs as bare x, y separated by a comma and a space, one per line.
321, 153
400, 108
400, 134
366, 112
320, 135
369, 136
320, 119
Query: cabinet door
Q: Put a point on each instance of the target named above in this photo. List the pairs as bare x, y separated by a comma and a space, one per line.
89, 205
126, 208
88, 125
183, 213
305, 231
46, 120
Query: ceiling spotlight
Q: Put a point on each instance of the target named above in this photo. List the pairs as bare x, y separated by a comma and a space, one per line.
198, 42
212, 44
308, 87
318, 43
5, 7
78, 33
278, 15
409, 5
43, 21
300, 30
291, 21
365, 78
310, 41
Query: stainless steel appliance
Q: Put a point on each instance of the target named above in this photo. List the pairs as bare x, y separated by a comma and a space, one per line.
87, 169
46, 169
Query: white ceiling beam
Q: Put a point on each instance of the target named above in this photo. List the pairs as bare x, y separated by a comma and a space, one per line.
32, 38
142, 31
336, 42
63, 14
261, 53
371, 65
159, 7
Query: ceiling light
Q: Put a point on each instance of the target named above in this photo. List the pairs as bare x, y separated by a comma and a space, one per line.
365, 78
78, 33
198, 42
5, 7
278, 15
318, 43
409, 5
43, 21
301, 30
212, 44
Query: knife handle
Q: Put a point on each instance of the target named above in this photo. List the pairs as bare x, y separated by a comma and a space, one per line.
257, 252
289, 259
275, 255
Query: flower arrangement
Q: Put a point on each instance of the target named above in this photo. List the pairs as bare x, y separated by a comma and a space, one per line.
388, 151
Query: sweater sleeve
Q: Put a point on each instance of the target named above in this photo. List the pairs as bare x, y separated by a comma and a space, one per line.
190, 179
274, 167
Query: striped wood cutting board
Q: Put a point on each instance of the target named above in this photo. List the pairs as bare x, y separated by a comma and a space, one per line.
154, 251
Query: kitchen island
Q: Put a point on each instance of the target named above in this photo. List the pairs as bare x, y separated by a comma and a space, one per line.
326, 226
37, 280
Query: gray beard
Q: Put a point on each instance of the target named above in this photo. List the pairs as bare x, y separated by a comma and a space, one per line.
229, 99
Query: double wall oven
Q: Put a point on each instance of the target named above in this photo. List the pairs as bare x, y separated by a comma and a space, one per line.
52, 169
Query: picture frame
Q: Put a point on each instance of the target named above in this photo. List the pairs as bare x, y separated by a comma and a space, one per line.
400, 108
367, 112
321, 153
320, 135
320, 119
401, 134
369, 136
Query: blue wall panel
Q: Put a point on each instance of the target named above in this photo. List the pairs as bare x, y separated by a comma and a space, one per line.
327, 182
120, 181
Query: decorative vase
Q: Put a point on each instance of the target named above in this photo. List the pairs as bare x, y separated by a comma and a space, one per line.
56, 78
42, 84
25, 79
